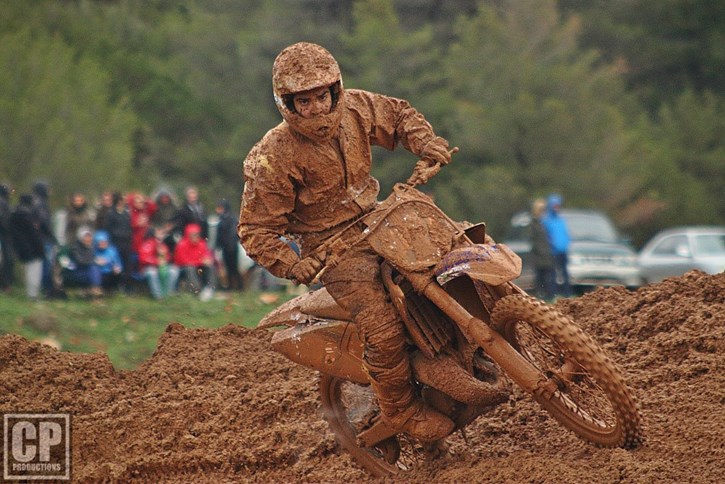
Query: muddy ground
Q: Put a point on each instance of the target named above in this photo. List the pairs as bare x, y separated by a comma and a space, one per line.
218, 406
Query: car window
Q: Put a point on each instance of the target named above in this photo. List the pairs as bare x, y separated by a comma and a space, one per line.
672, 245
590, 227
710, 244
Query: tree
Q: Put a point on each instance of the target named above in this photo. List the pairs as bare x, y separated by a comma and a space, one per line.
56, 117
379, 54
530, 102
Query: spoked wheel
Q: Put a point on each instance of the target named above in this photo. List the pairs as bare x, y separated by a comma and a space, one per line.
584, 389
350, 408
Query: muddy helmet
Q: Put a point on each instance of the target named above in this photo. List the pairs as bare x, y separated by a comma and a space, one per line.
299, 68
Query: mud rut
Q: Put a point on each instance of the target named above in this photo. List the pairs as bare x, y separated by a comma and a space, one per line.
219, 406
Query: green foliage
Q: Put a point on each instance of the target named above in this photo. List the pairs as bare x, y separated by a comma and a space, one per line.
533, 105
691, 172
664, 47
617, 105
56, 117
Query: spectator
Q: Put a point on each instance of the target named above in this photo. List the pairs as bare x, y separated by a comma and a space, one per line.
165, 216
118, 226
155, 263
29, 244
192, 212
194, 259
227, 242
103, 209
141, 209
78, 215
42, 216
541, 256
559, 239
7, 256
108, 260
83, 270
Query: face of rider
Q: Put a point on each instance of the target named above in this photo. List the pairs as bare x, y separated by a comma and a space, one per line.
313, 102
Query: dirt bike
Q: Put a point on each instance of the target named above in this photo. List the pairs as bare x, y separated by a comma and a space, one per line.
469, 327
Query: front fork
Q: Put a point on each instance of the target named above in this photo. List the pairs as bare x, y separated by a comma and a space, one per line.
476, 331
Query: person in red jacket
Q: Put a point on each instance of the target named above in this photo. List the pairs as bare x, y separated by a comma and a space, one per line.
196, 262
154, 258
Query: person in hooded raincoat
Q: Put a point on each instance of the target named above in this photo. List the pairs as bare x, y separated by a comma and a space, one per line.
107, 259
196, 262
307, 179
559, 240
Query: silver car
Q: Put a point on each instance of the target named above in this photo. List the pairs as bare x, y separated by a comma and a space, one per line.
675, 251
598, 255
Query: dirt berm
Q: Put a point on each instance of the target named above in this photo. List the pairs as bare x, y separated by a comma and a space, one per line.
217, 406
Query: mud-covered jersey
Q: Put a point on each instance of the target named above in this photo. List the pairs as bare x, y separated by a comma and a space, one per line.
294, 185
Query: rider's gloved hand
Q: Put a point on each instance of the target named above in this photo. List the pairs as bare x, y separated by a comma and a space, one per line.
436, 151
305, 270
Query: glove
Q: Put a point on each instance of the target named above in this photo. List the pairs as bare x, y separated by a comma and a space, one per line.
436, 151
424, 170
305, 270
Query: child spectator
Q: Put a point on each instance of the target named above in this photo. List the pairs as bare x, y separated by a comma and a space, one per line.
155, 263
194, 258
107, 259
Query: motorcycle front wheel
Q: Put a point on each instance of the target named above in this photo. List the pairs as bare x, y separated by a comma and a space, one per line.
583, 390
349, 408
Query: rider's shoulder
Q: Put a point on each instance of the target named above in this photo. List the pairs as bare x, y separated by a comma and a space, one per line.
278, 140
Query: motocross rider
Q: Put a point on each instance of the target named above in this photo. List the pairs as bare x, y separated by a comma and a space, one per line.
308, 179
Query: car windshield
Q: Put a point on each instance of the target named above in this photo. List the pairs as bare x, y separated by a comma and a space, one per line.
709, 245
590, 227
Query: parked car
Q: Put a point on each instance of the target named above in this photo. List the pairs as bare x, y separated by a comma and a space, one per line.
674, 251
598, 255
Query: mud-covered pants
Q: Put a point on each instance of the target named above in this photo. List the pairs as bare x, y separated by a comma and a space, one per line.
356, 285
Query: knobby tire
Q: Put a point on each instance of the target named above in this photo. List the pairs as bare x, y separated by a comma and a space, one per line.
591, 397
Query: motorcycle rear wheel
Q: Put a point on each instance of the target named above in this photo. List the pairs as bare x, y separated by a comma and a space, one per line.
586, 392
350, 408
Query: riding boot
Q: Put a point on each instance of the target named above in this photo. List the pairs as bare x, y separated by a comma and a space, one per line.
400, 407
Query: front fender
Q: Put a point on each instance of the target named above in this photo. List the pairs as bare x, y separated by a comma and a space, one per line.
492, 264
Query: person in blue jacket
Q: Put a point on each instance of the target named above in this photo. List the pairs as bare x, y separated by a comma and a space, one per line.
108, 260
559, 240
